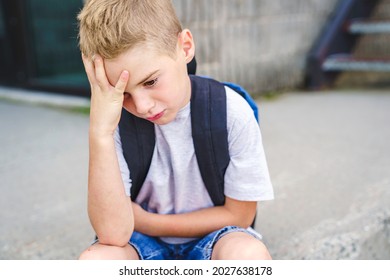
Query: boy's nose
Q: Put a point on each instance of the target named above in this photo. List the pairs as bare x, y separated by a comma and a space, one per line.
143, 104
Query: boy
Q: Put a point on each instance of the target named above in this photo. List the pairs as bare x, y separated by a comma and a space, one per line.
135, 55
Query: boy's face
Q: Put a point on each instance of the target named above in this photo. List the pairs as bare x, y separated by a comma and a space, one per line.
158, 85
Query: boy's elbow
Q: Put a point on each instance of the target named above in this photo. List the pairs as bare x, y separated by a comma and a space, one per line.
119, 239
114, 241
244, 224
242, 213
246, 221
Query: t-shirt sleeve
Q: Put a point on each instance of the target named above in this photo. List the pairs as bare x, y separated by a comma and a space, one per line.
247, 177
125, 172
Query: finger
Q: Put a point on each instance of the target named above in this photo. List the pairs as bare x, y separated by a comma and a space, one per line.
100, 72
122, 82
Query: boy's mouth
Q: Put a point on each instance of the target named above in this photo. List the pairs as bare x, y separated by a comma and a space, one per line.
156, 117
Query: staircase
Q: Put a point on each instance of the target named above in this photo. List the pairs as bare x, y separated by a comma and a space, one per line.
356, 39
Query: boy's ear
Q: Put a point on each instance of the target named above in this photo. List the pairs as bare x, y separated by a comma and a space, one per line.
187, 45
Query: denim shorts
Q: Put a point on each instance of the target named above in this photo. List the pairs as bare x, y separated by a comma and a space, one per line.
151, 248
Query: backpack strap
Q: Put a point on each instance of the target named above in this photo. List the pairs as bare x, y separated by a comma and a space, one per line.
209, 133
138, 141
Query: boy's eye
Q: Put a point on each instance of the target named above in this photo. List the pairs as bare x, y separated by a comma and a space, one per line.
150, 83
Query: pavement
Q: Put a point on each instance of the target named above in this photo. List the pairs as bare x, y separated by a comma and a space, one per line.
328, 154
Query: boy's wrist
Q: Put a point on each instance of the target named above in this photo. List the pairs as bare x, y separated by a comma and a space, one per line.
100, 133
100, 139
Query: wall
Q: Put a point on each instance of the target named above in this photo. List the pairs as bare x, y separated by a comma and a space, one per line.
261, 44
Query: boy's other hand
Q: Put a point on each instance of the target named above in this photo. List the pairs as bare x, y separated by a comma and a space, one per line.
106, 100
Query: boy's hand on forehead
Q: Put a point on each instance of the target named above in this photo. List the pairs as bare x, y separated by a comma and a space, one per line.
106, 100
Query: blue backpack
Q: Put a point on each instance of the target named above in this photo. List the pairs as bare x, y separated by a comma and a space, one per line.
240, 90
209, 133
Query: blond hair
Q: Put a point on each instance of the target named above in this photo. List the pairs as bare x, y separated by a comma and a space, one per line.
111, 27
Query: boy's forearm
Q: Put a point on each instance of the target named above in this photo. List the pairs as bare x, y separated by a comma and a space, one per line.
109, 208
193, 224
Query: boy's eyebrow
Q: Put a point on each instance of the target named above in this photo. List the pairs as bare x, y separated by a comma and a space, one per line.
147, 78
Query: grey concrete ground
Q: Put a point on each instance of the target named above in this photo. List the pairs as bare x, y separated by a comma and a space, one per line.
43, 179
329, 158
328, 154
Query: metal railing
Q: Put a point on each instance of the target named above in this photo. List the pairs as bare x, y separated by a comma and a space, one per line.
335, 39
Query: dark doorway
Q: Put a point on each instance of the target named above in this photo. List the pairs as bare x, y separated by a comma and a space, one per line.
38, 45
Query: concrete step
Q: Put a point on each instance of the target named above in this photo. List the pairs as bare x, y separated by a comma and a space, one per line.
369, 27
346, 62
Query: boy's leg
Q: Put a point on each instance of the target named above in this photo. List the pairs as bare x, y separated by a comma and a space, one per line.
239, 246
105, 252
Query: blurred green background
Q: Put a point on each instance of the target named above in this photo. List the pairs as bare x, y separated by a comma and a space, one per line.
38, 45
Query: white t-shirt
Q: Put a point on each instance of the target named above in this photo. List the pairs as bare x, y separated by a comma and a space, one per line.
174, 184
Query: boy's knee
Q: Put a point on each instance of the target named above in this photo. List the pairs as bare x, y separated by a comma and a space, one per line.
240, 246
106, 252
91, 255
95, 252
256, 251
